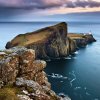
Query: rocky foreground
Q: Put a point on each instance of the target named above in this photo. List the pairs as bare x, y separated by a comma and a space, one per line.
22, 77
52, 42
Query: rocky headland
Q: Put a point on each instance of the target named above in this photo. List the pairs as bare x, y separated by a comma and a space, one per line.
52, 42
22, 77
82, 40
49, 43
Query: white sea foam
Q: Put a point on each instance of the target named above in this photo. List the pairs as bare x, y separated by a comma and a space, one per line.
85, 88
76, 52
71, 82
65, 97
73, 74
68, 58
87, 45
74, 57
53, 75
88, 93
77, 88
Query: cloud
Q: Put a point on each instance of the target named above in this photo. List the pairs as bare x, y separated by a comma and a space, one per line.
47, 4
10, 9
86, 3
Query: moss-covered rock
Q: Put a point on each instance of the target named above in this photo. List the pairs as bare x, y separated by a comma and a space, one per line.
9, 93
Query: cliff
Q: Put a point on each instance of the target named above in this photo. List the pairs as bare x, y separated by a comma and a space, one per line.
49, 43
81, 39
22, 77
52, 42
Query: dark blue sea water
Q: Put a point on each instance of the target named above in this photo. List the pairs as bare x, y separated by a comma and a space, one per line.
77, 76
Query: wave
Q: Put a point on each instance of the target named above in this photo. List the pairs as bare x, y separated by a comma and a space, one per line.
57, 76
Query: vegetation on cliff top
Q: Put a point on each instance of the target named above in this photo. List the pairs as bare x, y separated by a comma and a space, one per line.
37, 36
9, 93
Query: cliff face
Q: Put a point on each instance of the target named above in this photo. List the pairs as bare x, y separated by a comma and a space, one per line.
52, 42
19, 70
49, 43
81, 39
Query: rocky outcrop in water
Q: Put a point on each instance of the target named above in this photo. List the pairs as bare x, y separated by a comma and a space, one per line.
49, 43
81, 39
22, 77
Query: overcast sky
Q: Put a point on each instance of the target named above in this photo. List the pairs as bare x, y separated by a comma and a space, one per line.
36, 10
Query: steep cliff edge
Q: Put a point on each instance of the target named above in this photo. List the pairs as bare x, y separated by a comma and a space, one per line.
49, 43
81, 39
52, 42
22, 76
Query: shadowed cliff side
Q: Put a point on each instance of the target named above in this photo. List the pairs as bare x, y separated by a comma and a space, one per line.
49, 42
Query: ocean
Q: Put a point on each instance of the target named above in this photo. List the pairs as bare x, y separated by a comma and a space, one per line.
76, 76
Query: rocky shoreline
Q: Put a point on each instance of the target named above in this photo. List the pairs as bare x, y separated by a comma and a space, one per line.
22, 76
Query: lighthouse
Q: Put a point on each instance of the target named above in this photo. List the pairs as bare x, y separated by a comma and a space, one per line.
90, 32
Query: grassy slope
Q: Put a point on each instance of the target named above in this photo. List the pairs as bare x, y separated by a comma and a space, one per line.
76, 36
9, 93
37, 36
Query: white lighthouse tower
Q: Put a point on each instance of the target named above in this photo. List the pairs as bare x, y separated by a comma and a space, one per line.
90, 32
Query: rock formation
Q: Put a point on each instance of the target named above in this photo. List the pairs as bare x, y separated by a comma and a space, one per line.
52, 42
49, 43
81, 39
19, 70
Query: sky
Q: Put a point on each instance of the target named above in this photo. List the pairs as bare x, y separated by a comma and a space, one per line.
42, 10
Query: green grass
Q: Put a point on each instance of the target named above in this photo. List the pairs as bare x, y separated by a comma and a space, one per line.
9, 93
